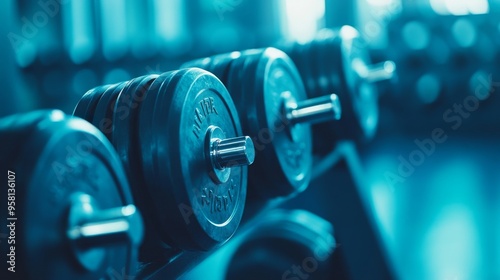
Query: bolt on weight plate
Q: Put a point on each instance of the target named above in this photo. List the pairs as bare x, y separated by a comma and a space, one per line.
217, 64
85, 108
103, 114
274, 111
126, 141
73, 216
125, 118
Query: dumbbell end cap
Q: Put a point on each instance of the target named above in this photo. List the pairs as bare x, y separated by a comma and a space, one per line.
237, 151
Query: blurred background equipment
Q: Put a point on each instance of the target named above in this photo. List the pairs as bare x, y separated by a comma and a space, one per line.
338, 61
408, 176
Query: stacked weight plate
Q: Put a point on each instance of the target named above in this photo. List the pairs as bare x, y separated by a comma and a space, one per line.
179, 136
64, 180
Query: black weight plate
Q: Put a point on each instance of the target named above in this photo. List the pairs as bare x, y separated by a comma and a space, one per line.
292, 49
317, 63
199, 214
16, 130
103, 115
220, 65
86, 106
323, 62
330, 60
64, 155
21, 124
147, 149
217, 64
284, 151
301, 58
83, 103
127, 142
326, 134
306, 67
235, 86
125, 138
146, 131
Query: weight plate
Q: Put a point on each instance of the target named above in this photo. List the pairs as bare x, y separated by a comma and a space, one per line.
146, 149
103, 115
269, 81
16, 130
125, 118
63, 156
205, 213
127, 141
331, 62
219, 65
234, 84
86, 106
336, 73
325, 135
316, 63
147, 141
83, 103
323, 64
306, 67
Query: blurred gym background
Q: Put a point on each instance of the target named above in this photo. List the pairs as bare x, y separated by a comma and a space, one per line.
436, 206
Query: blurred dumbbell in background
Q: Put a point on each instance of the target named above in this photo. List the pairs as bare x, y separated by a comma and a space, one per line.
337, 61
443, 60
70, 209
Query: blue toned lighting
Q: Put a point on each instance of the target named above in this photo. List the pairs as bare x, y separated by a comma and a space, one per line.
460, 7
116, 75
416, 35
170, 26
114, 29
302, 18
78, 30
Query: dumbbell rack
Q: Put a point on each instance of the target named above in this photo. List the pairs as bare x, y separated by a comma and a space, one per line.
169, 136
359, 246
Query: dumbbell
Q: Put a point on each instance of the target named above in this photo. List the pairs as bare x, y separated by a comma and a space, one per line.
274, 110
338, 61
285, 244
69, 212
179, 137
